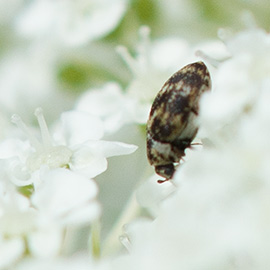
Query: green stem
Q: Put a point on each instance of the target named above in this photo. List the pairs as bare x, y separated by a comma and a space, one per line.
95, 239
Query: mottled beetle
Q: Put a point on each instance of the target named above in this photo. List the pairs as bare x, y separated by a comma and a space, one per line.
172, 124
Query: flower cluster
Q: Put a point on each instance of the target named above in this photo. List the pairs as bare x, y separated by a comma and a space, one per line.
77, 80
56, 177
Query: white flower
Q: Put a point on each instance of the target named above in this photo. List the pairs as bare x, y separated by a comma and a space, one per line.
239, 81
20, 225
11, 250
66, 197
218, 218
27, 78
17, 219
79, 148
90, 153
151, 67
71, 22
110, 104
150, 195
36, 226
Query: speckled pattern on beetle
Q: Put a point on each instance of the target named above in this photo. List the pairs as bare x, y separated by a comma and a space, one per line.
172, 123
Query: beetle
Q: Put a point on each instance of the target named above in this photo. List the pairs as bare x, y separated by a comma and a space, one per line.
172, 123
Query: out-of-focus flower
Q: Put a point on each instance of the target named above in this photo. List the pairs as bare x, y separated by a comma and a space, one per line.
71, 22
8, 10
20, 225
79, 147
63, 200
17, 219
36, 227
150, 195
77, 261
28, 80
239, 81
152, 65
110, 104
66, 197
198, 20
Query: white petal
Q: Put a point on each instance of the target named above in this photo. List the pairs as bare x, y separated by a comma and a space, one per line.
80, 126
18, 173
45, 243
109, 149
62, 192
151, 194
102, 101
167, 53
11, 147
84, 214
88, 161
109, 103
10, 251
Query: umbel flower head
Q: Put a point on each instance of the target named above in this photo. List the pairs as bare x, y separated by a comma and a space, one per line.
78, 148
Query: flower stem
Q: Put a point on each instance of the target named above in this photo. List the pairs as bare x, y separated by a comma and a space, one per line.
95, 239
